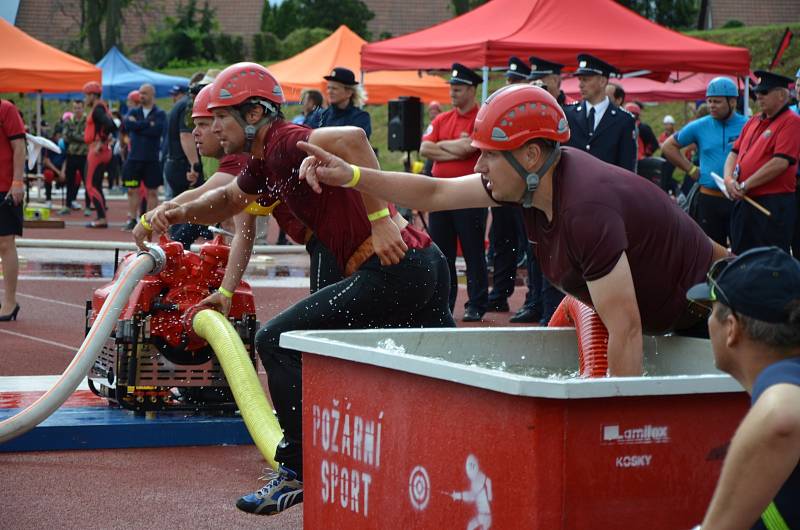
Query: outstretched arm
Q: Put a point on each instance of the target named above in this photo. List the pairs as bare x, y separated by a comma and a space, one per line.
212, 207
405, 189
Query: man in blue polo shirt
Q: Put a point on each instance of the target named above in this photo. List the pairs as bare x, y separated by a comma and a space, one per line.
714, 135
755, 334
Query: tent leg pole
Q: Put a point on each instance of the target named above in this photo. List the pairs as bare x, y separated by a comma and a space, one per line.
746, 98
485, 86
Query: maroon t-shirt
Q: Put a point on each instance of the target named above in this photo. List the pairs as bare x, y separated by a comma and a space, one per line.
233, 164
601, 210
336, 216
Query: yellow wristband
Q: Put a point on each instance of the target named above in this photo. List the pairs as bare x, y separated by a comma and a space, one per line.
380, 214
145, 224
224, 292
693, 170
356, 177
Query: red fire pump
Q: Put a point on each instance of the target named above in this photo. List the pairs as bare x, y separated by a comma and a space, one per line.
153, 360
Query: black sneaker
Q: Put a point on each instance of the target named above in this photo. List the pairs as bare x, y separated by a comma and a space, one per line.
498, 306
129, 226
526, 315
281, 491
472, 315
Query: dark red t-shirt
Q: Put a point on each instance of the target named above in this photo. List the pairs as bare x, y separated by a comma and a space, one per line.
233, 164
11, 128
763, 139
449, 126
601, 210
336, 216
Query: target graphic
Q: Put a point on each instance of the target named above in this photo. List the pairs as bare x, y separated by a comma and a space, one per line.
419, 488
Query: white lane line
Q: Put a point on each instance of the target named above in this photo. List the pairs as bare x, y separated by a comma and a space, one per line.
60, 279
50, 300
33, 383
37, 339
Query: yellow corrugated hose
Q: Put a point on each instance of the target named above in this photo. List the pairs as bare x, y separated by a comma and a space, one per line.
247, 391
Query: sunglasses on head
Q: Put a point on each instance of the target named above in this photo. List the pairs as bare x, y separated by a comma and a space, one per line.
716, 293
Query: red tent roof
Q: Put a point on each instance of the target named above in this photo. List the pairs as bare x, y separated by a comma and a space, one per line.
556, 30
29, 65
683, 87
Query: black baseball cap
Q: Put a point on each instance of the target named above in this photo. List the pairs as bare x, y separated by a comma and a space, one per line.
541, 68
591, 65
342, 75
761, 283
461, 75
769, 80
517, 69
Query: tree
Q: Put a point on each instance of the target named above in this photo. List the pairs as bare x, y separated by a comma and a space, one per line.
330, 14
676, 14
190, 35
462, 6
281, 19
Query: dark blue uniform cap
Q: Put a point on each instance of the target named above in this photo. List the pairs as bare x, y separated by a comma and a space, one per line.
769, 80
517, 69
461, 75
343, 76
541, 68
591, 65
178, 89
760, 283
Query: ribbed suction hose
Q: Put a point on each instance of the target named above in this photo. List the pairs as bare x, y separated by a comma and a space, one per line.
247, 390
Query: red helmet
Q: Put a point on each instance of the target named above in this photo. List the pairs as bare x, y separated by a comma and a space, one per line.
200, 105
92, 87
241, 82
633, 108
518, 113
133, 95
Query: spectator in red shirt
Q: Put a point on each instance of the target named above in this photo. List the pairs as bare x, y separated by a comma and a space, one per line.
447, 142
12, 193
763, 166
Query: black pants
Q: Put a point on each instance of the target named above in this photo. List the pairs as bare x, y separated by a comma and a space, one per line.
541, 293
76, 170
175, 173
796, 237
324, 269
506, 225
750, 228
469, 227
413, 293
714, 217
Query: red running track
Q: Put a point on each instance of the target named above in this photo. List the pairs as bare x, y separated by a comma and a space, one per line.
189, 487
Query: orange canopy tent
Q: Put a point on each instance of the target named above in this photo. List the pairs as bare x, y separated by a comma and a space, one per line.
29, 65
343, 48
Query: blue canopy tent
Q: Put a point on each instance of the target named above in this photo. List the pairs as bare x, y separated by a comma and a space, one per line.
121, 75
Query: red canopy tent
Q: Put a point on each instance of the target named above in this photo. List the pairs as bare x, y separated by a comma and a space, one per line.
556, 30
679, 87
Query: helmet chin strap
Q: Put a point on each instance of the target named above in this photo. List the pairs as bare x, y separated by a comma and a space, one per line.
251, 129
531, 179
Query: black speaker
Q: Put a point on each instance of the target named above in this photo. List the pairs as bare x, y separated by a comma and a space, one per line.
405, 124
